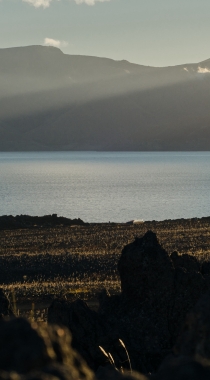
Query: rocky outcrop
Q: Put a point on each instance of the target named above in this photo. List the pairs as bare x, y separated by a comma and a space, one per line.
146, 274
108, 373
191, 354
164, 286
33, 351
190, 263
189, 286
5, 307
29, 351
27, 221
37, 351
194, 341
158, 290
183, 371
89, 330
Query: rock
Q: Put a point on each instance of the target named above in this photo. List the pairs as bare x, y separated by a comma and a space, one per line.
181, 367
88, 329
205, 268
5, 307
186, 371
158, 290
109, 373
27, 348
194, 341
189, 286
146, 273
109, 305
190, 263
147, 279
57, 371
10, 376
207, 280
172, 361
26, 221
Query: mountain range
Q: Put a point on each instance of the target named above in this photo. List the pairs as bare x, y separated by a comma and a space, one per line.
52, 101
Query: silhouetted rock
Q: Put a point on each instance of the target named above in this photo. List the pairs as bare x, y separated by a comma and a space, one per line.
195, 337
158, 291
190, 263
189, 286
147, 279
109, 305
185, 371
205, 269
27, 221
146, 273
27, 348
109, 373
5, 307
88, 329
191, 358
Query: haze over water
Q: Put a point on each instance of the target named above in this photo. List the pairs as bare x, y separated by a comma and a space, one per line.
106, 186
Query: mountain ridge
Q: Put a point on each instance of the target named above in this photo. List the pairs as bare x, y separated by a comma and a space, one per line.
53, 101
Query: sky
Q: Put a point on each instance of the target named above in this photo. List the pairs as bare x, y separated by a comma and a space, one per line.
147, 32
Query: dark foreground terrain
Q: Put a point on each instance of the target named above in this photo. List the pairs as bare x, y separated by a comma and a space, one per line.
153, 316
41, 258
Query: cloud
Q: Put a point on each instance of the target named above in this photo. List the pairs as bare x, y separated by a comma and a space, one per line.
38, 3
46, 3
89, 2
203, 70
55, 43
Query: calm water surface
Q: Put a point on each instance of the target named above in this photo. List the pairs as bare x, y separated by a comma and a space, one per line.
102, 187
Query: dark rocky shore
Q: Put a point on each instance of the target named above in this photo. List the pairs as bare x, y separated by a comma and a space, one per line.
10, 222
157, 325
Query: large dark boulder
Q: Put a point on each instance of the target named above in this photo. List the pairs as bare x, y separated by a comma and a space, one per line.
88, 329
188, 262
146, 274
108, 373
194, 340
183, 371
190, 359
189, 286
158, 290
31, 348
147, 281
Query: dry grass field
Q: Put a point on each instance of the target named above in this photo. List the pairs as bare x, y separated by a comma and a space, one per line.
40, 263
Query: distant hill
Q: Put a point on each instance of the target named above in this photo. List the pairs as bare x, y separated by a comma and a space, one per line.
53, 101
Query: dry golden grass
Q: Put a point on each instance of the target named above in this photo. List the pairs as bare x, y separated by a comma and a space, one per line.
39, 264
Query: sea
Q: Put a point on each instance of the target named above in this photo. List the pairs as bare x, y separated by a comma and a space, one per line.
106, 186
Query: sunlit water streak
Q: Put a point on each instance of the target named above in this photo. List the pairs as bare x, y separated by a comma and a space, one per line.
107, 186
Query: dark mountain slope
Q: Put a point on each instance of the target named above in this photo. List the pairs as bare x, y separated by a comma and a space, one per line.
53, 101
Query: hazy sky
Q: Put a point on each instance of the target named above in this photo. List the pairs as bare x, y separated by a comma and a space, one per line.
149, 32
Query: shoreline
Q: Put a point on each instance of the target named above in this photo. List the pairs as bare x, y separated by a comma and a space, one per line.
25, 221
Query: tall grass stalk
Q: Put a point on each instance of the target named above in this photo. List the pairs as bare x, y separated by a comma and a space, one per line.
124, 346
109, 357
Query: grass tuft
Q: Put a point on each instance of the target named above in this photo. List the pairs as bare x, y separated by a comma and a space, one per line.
127, 354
